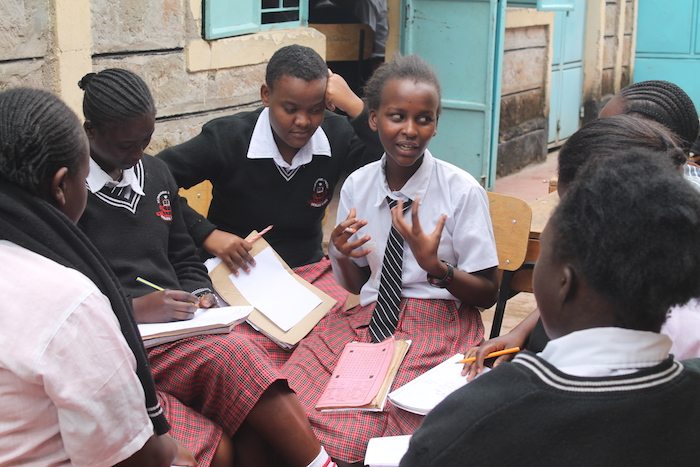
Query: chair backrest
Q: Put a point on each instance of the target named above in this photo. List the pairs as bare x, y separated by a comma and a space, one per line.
511, 218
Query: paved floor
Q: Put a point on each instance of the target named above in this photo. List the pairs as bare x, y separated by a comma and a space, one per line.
529, 184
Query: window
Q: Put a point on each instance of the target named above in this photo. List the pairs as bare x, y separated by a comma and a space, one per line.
226, 18
544, 5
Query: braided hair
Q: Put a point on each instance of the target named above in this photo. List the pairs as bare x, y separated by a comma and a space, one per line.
114, 95
665, 103
629, 225
607, 137
296, 61
39, 134
410, 67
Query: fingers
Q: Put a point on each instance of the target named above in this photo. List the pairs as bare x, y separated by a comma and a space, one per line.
238, 257
207, 301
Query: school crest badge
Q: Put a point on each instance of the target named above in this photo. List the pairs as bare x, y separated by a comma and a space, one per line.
321, 194
165, 210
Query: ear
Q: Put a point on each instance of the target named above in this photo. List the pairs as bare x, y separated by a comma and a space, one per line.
57, 188
89, 129
568, 284
265, 95
373, 120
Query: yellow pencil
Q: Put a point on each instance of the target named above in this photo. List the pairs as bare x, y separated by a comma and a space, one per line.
498, 353
150, 284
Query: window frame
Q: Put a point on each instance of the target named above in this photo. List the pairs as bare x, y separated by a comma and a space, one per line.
229, 18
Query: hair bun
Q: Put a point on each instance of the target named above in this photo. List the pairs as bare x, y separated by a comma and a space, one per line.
82, 84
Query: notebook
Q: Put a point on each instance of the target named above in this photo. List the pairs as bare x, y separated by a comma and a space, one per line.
363, 376
206, 321
286, 334
426, 391
386, 451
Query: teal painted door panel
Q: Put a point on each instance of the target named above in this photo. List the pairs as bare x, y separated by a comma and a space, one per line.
225, 18
566, 80
668, 44
665, 29
462, 40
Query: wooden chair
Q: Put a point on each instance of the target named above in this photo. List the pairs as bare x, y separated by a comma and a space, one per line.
511, 218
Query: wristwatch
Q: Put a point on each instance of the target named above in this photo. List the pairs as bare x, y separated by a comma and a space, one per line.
442, 282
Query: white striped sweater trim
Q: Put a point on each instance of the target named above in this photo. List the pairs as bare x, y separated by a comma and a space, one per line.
563, 382
155, 411
130, 204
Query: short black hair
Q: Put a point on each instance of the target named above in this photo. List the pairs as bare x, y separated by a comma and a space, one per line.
402, 67
39, 134
665, 103
629, 226
609, 137
114, 95
297, 61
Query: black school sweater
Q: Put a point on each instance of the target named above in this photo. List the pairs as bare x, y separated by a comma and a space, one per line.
145, 235
528, 413
251, 194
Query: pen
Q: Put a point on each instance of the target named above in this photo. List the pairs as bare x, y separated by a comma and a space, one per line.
498, 353
150, 284
259, 235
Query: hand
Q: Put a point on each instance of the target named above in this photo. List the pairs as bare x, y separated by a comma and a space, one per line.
183, 457
512, 339
232, 249
339, 95
165, 306
207, 300
424, 246
342, 232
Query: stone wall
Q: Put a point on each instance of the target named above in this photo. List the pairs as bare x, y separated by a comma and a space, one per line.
523, 118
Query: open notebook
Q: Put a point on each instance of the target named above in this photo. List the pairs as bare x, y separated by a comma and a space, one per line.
363, 375
286, 307
205, 321
423, 393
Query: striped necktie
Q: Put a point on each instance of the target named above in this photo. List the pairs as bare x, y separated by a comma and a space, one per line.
386, 312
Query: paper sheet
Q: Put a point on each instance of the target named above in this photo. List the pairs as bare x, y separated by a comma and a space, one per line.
422, 394
386, 451
202, 318
274, 292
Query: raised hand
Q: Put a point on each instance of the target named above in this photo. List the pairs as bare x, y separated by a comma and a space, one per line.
424, 246
342, 232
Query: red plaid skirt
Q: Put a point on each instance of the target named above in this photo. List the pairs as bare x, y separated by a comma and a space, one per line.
319, 274
220, 377
437, 329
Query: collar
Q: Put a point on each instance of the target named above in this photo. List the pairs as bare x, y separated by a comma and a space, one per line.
415, 187
606, 351
263, 146
98, 178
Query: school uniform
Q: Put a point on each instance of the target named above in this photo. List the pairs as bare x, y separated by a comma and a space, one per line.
59, 407
602, 396
206, 384
254, 187
436, 322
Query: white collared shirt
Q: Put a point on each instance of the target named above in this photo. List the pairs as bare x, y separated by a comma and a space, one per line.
467, 240
263, 145
683, 327
98, 178
606, 351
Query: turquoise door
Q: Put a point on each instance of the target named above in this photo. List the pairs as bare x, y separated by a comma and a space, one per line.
463, 41
668, 44
567, 72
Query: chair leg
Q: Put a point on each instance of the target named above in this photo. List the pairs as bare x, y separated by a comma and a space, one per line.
504, 293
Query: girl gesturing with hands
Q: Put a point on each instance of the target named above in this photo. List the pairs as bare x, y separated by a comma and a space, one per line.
414, 238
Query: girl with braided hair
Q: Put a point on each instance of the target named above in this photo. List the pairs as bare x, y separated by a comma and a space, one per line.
72, 383
212, 387
656, 101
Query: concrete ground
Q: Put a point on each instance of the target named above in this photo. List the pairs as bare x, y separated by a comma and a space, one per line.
529, 184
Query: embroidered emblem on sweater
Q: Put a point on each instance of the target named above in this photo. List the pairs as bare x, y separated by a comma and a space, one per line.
165, 210
321, 194
124, 197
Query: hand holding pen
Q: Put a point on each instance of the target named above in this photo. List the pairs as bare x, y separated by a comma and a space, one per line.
233, 250
163, 305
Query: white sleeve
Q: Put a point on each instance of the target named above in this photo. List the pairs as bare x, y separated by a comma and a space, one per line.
473, 239
89, 373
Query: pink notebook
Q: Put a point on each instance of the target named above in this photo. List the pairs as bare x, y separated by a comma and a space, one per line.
363, 376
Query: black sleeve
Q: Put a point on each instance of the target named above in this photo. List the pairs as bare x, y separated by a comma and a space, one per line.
201, 158
365, 146
182, 253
